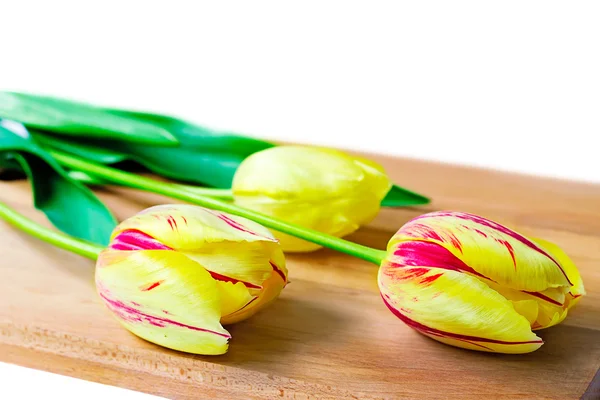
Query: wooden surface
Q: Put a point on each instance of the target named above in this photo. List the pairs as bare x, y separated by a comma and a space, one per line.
329, 335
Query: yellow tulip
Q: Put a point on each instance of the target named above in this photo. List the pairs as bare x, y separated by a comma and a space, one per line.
322, 189
470, 282
174, 274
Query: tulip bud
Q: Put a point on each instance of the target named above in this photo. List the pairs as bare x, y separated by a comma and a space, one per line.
470, 282
173, 274
323, 189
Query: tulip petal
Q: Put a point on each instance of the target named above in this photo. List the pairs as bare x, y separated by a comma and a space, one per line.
272, 287
455, 308
375, 176
577, 290
234, 296
186, 227
527, 308
490, 249
164, 297
542, 309
247, 262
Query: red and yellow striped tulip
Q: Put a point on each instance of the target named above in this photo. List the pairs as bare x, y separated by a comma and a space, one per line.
323, 189
174, 274
470, 282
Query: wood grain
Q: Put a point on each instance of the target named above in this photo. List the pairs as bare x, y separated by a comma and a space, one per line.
329, 335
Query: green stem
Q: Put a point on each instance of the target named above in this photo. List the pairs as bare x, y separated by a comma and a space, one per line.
176, 191
58, 239
225, 194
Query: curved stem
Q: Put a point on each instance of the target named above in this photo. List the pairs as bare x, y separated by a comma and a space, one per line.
58, 239
179, 192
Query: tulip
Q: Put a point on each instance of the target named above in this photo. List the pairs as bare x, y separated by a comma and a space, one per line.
173, 274
321, 189
470, 282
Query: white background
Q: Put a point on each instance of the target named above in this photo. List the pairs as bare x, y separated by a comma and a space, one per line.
513, 85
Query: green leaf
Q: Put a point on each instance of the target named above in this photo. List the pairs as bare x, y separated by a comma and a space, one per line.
203, 157
78, 119
69, 205
400, 197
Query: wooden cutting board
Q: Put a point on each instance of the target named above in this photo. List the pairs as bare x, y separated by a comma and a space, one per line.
329, 335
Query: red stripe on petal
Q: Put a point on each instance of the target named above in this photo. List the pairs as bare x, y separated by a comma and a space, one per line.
237, 225
172, 223
248, 303
544, 297
133, 239
436, 332
218, 277
430, 279
500, 228
431, 255
151, 286
510, 250
455, 242
130, 314
278, 271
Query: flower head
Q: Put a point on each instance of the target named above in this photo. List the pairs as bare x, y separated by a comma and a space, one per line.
323, 189
174, 274
470, 282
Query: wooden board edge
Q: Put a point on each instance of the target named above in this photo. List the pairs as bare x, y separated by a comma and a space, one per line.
41, 349
593, 390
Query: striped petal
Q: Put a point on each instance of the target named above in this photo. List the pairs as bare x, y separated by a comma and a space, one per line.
542, 309
490, 249
577, 290
246, 262
455, 308
164, 297
186, 227
550, 306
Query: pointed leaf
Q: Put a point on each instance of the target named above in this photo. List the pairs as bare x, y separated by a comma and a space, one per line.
69, 205
400, 197
79, 119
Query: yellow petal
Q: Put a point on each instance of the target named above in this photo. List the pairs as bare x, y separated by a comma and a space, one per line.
543, 309
248, 262
271, 288
455, 308
490, 249
322, 189
527, 308
164, 297
186, 227
234, 296
569, 267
